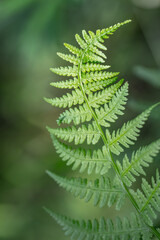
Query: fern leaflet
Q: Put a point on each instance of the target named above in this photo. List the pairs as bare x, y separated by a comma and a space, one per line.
72, 83
128, 133
95, 160
139, 159
101, 190
78, 135
148, 200
67, 100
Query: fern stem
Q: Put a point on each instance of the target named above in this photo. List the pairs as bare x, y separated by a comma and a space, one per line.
114, 165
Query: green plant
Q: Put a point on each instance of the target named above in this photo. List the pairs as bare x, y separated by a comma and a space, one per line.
102, 98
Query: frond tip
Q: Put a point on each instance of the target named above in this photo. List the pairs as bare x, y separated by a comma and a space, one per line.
92, 43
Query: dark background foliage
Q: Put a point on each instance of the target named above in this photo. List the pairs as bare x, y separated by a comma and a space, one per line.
31, 32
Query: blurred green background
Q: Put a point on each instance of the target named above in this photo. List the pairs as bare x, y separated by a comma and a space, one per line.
31, 32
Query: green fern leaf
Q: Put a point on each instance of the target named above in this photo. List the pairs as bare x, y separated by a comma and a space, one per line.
92, 57
148, 200
86, 37
88, 67
141, 158
101, 190
103, 229
73, 49
67, 100
81, 42
128, 133
89, 133
109, 112
76, 115
72, 83
98, 76
66, 71
69, 58
85, 159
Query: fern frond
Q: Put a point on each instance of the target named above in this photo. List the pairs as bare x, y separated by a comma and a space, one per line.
66, 71
103, 229
99, 98
76, 97
102, 191
69, 58
139, 159
109, 112
95, 86
95, 160
149, 200
90, 79
98, 76
71, 83
128, 133
78, 135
